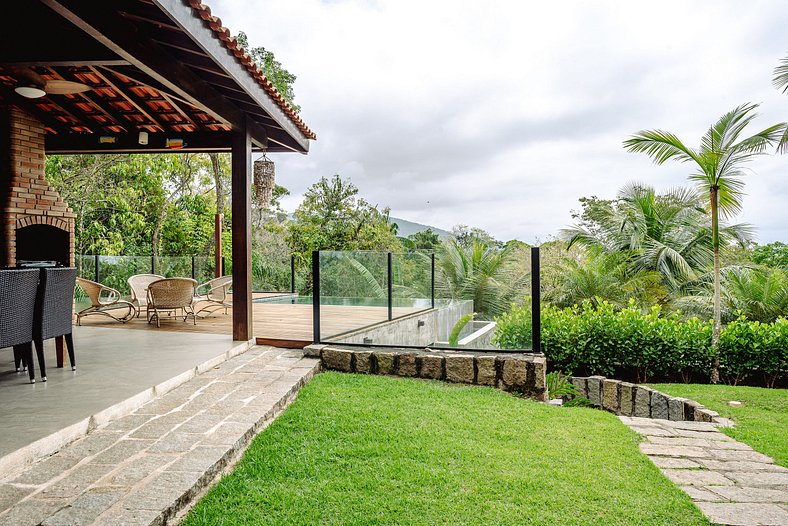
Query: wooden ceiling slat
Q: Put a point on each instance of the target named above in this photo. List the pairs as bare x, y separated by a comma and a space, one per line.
129, 97
93, 98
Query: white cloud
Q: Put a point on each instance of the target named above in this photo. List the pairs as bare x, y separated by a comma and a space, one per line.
502, 114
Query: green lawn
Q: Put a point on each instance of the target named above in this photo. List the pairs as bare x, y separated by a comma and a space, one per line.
358, 449
761, 422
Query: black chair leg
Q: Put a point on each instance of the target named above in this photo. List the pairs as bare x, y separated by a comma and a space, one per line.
70, 347
27, 354
18, 358
41, 362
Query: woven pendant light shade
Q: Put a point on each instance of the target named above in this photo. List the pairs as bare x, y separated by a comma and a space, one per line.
264, 180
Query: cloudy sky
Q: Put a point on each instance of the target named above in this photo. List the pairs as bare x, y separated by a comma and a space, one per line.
501, 114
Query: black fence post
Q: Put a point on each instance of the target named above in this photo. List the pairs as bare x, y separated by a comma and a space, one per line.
153, 264
433, 279
536, 302
223, 267
193, 272
389, 288
96, 265
292, 274
316, 296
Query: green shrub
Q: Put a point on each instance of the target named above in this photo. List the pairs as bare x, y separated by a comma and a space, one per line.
604, 340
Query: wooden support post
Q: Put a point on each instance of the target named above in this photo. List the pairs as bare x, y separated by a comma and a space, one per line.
217, 240
242, 232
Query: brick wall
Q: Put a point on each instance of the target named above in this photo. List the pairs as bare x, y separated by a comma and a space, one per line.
25, 196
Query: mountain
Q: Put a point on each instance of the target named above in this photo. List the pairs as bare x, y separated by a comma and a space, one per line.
407, 228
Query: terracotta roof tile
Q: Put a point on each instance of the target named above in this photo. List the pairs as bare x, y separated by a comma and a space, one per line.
203, 12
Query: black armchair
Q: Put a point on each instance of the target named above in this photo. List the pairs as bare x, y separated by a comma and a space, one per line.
53, 312
17, 308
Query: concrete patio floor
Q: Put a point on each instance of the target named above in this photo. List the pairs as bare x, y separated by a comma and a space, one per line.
117, 371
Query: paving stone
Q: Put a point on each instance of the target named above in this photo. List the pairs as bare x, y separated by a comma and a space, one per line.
200, 459
681, 441
674, 451
610, 395
749, 456
459, 368
643, 421
486, 370
92, 444
362, 362
121, 450
406, 365
128, 423
85, 508
703, 434
129, 517
652, 431
735, 465
176, 442
675, 463
77, 481
164, 491
694, 426
10, 495
759, 478
697, 477
702, 494
431, 367
45, 471
227, 433
130, 473
32, 512
747, 494
642, 402
744, 514
204, 422
659, 405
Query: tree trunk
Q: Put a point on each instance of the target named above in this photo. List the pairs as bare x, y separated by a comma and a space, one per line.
217, 178
715, 241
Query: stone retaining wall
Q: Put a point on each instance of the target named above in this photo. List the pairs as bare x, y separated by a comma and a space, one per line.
520, 373
628, 399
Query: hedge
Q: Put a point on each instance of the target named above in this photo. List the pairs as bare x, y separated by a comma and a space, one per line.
649, 345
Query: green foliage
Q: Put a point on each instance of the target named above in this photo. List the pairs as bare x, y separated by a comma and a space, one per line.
772, 255
599, 339
425, 240
558, 385
579, 401
273, 70
454, 337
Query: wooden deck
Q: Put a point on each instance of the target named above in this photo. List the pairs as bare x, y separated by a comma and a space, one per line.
283, 325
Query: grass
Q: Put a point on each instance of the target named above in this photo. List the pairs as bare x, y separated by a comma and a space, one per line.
373, 450
761, 422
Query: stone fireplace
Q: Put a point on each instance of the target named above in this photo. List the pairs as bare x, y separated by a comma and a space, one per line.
35, 222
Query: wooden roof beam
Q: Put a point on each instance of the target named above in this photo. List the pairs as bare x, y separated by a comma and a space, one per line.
104, 24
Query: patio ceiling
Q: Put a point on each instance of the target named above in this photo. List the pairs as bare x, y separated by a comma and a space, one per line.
165, 67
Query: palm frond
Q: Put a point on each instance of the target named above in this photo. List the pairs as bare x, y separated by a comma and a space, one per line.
661, 146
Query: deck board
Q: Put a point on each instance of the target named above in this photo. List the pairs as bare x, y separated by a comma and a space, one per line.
271, 321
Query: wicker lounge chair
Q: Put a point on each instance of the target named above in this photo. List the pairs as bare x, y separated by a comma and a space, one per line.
212, 295
53, 312
139, 289
171, 295
18, 290
104, 300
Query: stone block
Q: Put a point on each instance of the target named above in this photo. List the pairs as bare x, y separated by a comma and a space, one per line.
580, 383
627, 398
406, 365
595, 390
514, 373
459, 368
704, 415
362, 364
642, 401
659, 405
485, 370
337, 359
431, 367
610, 395
689, 410
676, 408
384, 362
540, 372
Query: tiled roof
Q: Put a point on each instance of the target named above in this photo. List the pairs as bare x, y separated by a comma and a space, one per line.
231, 43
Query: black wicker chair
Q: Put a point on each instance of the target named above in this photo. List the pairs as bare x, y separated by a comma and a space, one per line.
53, 312
17, 307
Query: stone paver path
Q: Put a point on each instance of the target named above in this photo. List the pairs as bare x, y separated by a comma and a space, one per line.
145, 468
727, 480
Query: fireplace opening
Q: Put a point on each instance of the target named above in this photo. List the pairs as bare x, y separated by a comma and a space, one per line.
42, 243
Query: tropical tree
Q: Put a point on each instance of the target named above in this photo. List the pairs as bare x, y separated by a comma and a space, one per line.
719, 167
666, 233
478, 272
780, 81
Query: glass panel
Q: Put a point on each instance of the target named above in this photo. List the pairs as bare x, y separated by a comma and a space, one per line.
270, 272
174, 266
114, 271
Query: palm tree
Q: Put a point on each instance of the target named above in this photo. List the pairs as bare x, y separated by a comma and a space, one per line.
664, 233
481, 273
719, 163
780, 81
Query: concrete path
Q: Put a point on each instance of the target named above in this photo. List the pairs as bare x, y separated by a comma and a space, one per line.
727, 480
146, 467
